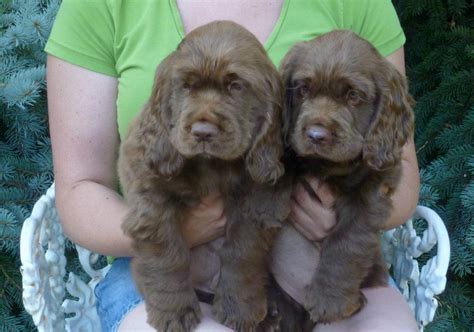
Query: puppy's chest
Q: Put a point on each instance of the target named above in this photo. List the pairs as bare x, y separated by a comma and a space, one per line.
345, 180
197, 180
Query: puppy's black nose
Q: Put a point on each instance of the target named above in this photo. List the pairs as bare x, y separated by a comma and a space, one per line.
204, 131
317, 134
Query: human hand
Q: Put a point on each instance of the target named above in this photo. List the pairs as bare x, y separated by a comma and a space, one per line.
313, 214
204, 222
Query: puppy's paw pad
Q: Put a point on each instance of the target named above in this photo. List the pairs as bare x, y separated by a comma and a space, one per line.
239, 325
183, 321
238, 315
270, 324
328, 309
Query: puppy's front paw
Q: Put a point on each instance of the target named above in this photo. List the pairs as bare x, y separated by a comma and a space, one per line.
237, 314
325, 306
271, 323
183, 320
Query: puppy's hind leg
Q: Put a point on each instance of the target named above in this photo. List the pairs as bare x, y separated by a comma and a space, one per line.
241, 295
240, 301
346, 260
161, 266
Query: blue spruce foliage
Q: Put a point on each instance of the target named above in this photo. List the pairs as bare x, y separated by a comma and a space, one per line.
25, 150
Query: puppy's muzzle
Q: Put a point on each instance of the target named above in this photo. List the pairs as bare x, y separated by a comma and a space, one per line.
204, 131
317, 134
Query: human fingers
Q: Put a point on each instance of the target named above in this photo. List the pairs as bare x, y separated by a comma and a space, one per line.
320, 217
211, 231
220, 223
302, 230
211, 199
211, 207
322, 191
308, 226
198, 230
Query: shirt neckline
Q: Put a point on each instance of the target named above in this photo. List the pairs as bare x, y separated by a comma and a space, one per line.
268, 43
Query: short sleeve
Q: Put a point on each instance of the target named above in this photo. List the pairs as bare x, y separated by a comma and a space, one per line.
376, 21
83, 34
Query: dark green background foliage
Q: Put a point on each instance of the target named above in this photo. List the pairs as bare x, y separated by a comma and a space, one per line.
439, 56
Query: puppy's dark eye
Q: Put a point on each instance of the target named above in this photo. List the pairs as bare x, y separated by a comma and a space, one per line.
235, 86
301, 88
186, 86
353, 97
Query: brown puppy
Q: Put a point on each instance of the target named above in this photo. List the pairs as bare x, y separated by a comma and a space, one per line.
212, 124
347, 117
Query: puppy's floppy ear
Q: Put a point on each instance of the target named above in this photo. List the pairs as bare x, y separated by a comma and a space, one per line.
287, 68
393, 121
263, 158
160, 155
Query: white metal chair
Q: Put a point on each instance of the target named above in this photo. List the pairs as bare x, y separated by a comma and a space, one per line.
44, 268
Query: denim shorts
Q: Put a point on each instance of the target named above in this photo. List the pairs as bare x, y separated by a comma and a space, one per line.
117, 295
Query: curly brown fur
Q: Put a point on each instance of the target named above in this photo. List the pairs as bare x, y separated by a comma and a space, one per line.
284, 313
212, 124
348, 115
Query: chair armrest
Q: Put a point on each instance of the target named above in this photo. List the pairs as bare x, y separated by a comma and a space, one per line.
402, 245
42, 245
43, 265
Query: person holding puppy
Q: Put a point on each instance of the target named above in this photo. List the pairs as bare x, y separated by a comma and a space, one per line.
102, 58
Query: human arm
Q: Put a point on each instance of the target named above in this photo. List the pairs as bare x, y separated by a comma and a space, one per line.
85, 140
405, 197
314, 216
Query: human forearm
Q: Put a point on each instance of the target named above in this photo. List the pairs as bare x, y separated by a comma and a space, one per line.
405, 197
84, 137
91, 215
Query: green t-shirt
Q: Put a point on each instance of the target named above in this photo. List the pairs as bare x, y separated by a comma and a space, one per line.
127, 39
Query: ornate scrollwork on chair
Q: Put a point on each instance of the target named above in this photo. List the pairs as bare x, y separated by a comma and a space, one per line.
43, 269
401, 248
